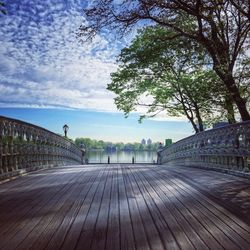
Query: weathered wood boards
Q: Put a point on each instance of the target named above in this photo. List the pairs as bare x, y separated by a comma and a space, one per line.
119, 207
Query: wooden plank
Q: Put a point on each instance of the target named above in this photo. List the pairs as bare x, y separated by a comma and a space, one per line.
113, 230
127, 239
87, 233
162, 238
117, 207
230, 219
220, 219
141, 238
239, 225
21, 182
60, 233
184, 233
101, 226
27, 193
29, 215
154, 238
185, 219
43, 232
205, 216
25, 183
74, 232
167, 213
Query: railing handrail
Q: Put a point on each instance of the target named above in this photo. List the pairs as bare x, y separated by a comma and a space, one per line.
212, 130
38, 127
226, 147
26, 147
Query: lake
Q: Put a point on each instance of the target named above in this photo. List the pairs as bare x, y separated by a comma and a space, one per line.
121, 156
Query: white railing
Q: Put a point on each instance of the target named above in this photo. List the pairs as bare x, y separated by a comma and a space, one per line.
26, 147
227, 147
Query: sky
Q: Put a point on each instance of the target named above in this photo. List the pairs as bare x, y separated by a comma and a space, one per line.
48, 77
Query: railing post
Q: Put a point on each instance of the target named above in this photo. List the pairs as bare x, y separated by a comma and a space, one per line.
82, 157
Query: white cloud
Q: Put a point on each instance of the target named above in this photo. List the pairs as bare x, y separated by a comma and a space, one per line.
43, 63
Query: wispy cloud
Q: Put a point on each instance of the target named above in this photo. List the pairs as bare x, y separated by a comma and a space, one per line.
42, 63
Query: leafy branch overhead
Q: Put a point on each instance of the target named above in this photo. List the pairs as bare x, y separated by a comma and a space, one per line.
220, 28
162, 73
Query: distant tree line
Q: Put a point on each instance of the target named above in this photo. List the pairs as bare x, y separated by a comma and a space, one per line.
90, 144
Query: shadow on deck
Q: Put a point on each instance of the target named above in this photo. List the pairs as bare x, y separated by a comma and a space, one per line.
125, 207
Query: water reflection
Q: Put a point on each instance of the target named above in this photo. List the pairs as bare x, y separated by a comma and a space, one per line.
121, 156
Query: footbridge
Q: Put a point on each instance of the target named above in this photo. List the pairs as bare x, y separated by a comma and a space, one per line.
197, 197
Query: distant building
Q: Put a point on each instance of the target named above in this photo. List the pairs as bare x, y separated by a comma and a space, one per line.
143, 142
149, 141
168, 142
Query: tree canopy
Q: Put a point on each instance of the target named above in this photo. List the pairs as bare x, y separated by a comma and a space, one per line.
243, 7
175, 73
220, 27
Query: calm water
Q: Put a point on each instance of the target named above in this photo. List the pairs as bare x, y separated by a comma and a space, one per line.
122, 157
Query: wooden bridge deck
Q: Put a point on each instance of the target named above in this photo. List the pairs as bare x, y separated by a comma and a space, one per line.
125, 207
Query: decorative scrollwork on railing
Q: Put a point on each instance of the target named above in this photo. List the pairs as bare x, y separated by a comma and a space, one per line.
26, 147
227, 147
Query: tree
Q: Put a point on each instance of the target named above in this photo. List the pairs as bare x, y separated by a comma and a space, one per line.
243, 6
87, 142
119, 146
137, 146
175, 73
217, 25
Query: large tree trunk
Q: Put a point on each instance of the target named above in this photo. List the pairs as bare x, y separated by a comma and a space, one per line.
239, 101
190, 117
199, 119
186, 110
196, 129
234, 91
229, 107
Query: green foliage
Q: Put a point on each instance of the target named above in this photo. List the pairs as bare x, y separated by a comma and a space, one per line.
91, 144
173, 72
221, 28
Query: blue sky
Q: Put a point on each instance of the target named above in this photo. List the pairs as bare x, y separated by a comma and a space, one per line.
100, 125
49, 78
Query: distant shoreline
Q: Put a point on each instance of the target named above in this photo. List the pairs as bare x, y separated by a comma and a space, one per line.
121, 150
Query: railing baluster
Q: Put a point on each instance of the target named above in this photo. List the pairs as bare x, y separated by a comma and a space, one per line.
226, 147
26, 147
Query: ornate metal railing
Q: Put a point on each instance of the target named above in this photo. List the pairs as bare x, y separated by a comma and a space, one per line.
225, 148
26, 147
